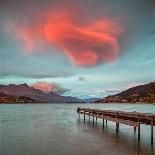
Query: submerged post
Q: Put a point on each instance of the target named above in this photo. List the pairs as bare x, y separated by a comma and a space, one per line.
134, 126
117, 124
84, 115
152, 130
138, 127
93, 117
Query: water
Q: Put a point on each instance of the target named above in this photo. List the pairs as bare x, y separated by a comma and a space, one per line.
54, 129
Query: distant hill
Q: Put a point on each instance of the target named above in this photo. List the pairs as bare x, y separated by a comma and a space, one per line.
142, 93
35, 94
4, 98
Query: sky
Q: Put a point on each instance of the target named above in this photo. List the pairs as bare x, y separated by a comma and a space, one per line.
82, 48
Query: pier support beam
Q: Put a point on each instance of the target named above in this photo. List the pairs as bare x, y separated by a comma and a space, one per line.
117, 124
152, 130
84, 116
117, 127
134, 126
103, 123
139, 128
93, 119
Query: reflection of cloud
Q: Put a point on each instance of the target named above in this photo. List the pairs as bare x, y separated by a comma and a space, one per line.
49, 87
82, 79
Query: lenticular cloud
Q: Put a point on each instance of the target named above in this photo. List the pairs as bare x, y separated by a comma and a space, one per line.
84, 42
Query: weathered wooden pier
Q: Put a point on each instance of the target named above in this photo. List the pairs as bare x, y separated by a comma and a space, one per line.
134, 119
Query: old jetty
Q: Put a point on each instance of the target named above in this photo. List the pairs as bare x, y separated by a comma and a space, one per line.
134, 119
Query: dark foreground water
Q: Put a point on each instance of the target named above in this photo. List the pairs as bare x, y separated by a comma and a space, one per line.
54, 129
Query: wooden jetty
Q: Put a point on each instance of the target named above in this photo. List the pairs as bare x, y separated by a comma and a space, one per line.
134, 119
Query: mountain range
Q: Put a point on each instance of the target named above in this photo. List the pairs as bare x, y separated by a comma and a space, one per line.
35, 94
23, 93
142, 93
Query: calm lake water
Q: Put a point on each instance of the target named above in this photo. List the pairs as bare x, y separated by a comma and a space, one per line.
55, 129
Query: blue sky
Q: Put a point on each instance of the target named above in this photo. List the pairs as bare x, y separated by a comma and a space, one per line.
135, 63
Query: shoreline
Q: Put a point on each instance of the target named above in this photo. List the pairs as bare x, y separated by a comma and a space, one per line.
82, 103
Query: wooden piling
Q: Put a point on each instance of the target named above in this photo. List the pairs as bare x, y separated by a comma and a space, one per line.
152, 130
93, 119
84, 116
138, 127
134, 126
117, 124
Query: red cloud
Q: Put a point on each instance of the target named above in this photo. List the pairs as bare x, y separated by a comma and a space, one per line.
49, 87
85, 42
43, 86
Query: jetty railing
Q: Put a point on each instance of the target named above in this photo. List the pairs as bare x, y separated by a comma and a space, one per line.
134, 119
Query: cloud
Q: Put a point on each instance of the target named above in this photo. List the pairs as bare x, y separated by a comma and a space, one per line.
84, 41
108, 91
35, 75
49, 87
83, 79
112, 91
131, 85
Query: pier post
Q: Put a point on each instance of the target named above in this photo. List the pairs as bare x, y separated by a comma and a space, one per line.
89, 117
103, 123
106, 122
152, 130
138, 127
134, 126
117, 124
84, 116
93, 117
134, 129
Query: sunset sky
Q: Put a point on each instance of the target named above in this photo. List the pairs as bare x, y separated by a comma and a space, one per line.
82, 48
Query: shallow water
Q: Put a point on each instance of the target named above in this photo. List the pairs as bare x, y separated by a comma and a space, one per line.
55, 129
